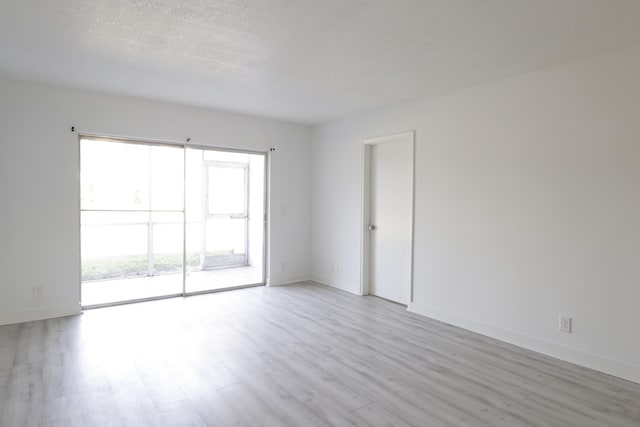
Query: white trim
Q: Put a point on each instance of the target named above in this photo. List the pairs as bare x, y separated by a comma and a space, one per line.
290, 281
39, 314
266, 217
389, 138
590, 360
365, 215
366, 208
154, 141
345, 288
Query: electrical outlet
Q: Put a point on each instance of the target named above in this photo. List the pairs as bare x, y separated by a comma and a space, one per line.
37, 292
565, 324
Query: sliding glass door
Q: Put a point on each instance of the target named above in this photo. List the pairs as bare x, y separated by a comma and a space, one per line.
225, 219
163, 220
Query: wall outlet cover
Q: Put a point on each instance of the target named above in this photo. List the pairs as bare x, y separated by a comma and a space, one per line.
565, 324
37, 291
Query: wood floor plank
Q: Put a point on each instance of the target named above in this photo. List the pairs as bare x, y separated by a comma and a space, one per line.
376, 415
202, 394
144, 419
300, 355
214, 410
159, 382
7, 351
631, 403
22, 405
250, 407
181, 413
98, 404
63, 411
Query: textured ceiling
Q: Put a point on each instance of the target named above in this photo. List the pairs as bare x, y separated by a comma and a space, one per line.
305, 61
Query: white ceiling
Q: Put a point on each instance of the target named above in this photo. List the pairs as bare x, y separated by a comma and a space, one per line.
306, 61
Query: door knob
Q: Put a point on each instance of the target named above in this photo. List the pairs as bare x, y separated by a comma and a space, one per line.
372, 227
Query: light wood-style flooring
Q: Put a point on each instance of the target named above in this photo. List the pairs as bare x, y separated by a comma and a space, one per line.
300, 355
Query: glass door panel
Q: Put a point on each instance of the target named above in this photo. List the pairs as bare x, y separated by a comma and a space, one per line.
114, 175
166, 186
225, 219
227, 189
225, 242
114, 245
132, 217
130, 256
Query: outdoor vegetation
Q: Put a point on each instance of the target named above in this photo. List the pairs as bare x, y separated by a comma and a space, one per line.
121, 267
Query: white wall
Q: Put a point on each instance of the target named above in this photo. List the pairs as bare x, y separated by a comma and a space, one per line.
527, 206
39, 218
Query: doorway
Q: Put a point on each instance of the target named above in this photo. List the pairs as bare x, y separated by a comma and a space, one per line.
387, 239
161, 220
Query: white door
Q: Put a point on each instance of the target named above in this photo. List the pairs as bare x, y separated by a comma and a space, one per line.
391, 202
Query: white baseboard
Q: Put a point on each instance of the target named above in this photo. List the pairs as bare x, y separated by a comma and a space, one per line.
331, 284
579, 357
289, 281
39, 314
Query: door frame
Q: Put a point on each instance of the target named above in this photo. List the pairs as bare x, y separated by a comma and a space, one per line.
365, 238
207, 165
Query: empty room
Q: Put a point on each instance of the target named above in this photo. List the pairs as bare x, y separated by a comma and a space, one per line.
320, 213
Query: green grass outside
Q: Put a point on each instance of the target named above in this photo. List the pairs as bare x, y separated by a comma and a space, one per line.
136, 265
